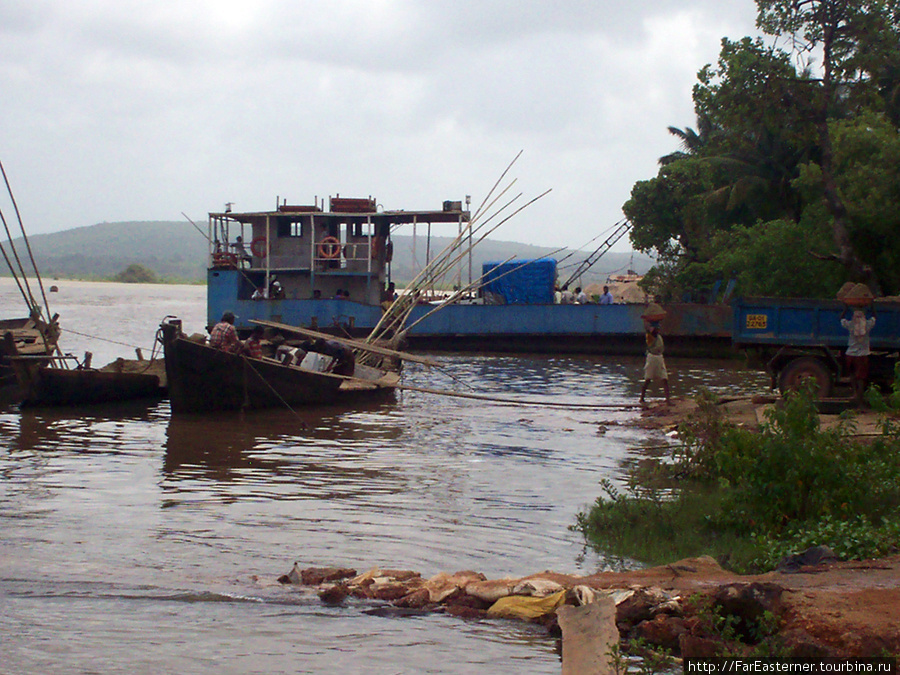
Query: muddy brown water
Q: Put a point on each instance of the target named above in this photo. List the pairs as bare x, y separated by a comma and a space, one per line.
132, 541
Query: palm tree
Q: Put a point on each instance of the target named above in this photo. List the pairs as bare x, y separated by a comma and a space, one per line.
692, 142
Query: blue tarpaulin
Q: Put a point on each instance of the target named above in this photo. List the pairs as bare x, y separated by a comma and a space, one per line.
528, 282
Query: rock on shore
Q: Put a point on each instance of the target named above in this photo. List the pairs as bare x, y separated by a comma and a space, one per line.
693, 607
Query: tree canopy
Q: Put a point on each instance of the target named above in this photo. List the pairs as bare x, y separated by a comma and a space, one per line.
137, 274
789, 183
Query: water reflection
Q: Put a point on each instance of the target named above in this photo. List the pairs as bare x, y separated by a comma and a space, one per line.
206, 507
77, 429
312, 453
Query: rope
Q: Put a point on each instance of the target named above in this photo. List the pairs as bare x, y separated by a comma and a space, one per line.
287, 405
526, 403
103, 339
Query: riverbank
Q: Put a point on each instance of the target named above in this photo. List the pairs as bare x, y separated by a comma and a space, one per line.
812, 608
749, 412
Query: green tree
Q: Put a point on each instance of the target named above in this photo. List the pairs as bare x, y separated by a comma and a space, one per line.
736, 169
675, 212
692, 142
854, 37
763, 111
866, 161
771, 258
137, 274
766, 167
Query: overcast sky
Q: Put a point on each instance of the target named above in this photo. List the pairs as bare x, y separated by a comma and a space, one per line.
117, 110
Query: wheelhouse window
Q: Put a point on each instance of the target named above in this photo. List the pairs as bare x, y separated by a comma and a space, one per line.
290, 227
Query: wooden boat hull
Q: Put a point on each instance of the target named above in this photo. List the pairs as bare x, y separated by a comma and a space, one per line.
51, 386
23, 336
201, 378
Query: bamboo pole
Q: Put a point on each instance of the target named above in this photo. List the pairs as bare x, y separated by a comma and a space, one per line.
37, 273
349, 342
440, 266
401, 314
474, 284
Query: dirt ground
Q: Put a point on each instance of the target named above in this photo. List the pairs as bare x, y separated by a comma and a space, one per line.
843, 609
749, 412
828, 610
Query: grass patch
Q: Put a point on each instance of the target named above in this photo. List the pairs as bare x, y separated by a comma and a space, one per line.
655, 529
751, 498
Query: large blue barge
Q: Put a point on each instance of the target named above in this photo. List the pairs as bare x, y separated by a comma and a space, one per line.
331, 271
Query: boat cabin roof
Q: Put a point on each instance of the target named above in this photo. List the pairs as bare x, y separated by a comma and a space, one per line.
399, 217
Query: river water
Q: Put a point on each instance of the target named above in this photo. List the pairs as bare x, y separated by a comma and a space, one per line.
135, 542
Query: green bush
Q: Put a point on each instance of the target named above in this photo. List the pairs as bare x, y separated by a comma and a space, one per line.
792, 471
750, 498
136, 274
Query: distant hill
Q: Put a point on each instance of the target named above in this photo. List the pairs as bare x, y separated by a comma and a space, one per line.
174, 250
177, 251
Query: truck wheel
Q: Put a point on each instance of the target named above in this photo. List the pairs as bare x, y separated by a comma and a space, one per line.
794, 373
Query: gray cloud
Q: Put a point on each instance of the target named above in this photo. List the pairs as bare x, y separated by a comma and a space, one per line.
131, 110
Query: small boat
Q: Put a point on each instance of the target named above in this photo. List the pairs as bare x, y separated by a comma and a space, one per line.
29, 336
36, 376
29, 351
45, 384
203, 378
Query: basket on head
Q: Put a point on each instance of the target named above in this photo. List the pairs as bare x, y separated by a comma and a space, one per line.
654, 313
855, 295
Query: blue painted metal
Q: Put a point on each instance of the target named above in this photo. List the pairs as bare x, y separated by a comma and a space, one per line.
528, 321
539, 320
521, 281
801, 322
222, 296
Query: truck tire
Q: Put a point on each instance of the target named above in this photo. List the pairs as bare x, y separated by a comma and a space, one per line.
808, 367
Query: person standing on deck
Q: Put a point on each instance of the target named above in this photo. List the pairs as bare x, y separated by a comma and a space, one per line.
606, 298
224, 335
655, 365
858, 350
240, 251
276, 291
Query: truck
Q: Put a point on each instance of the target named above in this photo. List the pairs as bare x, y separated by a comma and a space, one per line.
802, 338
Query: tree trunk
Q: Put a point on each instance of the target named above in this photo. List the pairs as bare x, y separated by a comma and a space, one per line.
846, 253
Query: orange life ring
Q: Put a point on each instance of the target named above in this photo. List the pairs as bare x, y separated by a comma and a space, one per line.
330, 247
258, 247
350, 251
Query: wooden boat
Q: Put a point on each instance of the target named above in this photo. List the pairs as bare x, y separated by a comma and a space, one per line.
28, 348
41, 378
44, 384
202, 378
24, 336
29, 336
